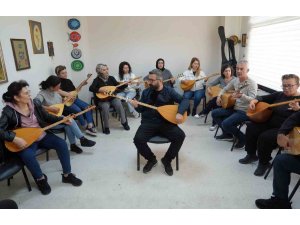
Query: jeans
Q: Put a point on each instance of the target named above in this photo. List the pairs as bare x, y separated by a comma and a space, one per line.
72, 131
198, 95
130, 95
50, 141
77, 107
284, 165
228, 119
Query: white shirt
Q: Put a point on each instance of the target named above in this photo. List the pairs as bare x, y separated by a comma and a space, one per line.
189, 75
128, 77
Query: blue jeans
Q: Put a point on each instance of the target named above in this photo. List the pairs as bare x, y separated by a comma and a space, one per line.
130, 95
77, 107
50, 141
284, 165
198, 95
228, 119
72, 131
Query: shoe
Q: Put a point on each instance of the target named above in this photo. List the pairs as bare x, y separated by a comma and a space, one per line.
272, 203
106, 130
168, 167
86, 142
224, 137
43, 185
188, 112
149, 165
91, 131
71, 179
248, 159
214, 127
75, 148
239, 145
261, 169
197, 116
135, 114
194, 112
125, 125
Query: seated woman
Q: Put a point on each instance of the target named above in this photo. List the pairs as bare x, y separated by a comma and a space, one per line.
20, 111
49, 96
166, 74
226, 76
198, 91
261, 137
66, 86
129, 92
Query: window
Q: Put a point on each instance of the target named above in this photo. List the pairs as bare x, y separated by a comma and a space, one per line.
274, 49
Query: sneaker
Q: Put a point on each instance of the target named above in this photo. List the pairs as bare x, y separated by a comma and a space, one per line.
106, 130
72, 179
135, 114
86, 142
43, 185
214, 127
248, 159
149, 165
239, 145
168, 167
272, 203
125, 125
91, 131
197, 116
194, 112
224, 137
261, 169
75, 148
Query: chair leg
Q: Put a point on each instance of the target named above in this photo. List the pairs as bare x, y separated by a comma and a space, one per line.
205, 118
271, 166
101, 120
177, 162
294, 190
26, 179
234, 141
138, 160
96, 117
47, 155
216, 131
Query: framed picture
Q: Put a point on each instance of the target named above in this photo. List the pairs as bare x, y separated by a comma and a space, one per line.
20, 52
36, 37
244, 40
3, 74
50, 48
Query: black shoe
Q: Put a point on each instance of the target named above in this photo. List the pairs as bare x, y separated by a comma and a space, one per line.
71, 179
272, 203
125, 125
86, 142
239, 145
194, 112
261, 169
188, 112
43, 185
168, 167
248, 159
149, 165
106, 130
75, 148
224, 137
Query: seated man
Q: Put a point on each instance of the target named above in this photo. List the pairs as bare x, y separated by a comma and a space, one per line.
104, 79
228, 119
154, 124
284, 165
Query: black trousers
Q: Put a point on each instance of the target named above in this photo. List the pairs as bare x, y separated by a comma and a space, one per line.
212, 104
263, 138
147, 130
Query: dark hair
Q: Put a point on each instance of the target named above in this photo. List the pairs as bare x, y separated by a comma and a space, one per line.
14, 89
121, 72
224, 67
160, 59
51, 81
290, 76
59, 68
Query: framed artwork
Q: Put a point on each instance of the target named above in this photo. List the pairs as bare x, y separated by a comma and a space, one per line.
244, 40
3, 74
36, 37
50, 48
20, 52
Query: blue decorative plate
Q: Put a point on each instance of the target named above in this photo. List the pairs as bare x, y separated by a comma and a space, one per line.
76, 53
77, 65
73, 24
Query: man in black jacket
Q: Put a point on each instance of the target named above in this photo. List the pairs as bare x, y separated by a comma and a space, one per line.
284, 165
104, 79
154, 124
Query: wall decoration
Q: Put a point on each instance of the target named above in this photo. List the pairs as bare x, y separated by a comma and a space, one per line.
73, 24
3, 74
75, 45
244, 40
77, 65
75, 36
50, 48
20, 52
76, 53
36, 37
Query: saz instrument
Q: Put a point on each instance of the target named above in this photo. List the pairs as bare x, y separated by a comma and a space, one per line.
60, 106
31, 134
263, 110
190, 83
70, 100
111, 89
146, 84
227, 101
168, 112
215, 90
294, 141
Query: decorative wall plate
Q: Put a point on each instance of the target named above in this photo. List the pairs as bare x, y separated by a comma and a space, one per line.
76, 53
77, 65
73, 24
75, 36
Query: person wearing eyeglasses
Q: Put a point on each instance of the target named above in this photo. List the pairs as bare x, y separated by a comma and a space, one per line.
261, 137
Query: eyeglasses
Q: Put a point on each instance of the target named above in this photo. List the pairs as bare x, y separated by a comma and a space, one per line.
288, 85
151, 80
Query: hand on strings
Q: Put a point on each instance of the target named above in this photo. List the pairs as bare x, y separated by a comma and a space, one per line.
294, 106
252, 104
134, 103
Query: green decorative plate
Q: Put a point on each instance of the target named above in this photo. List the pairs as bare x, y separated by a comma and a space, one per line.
77, 65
